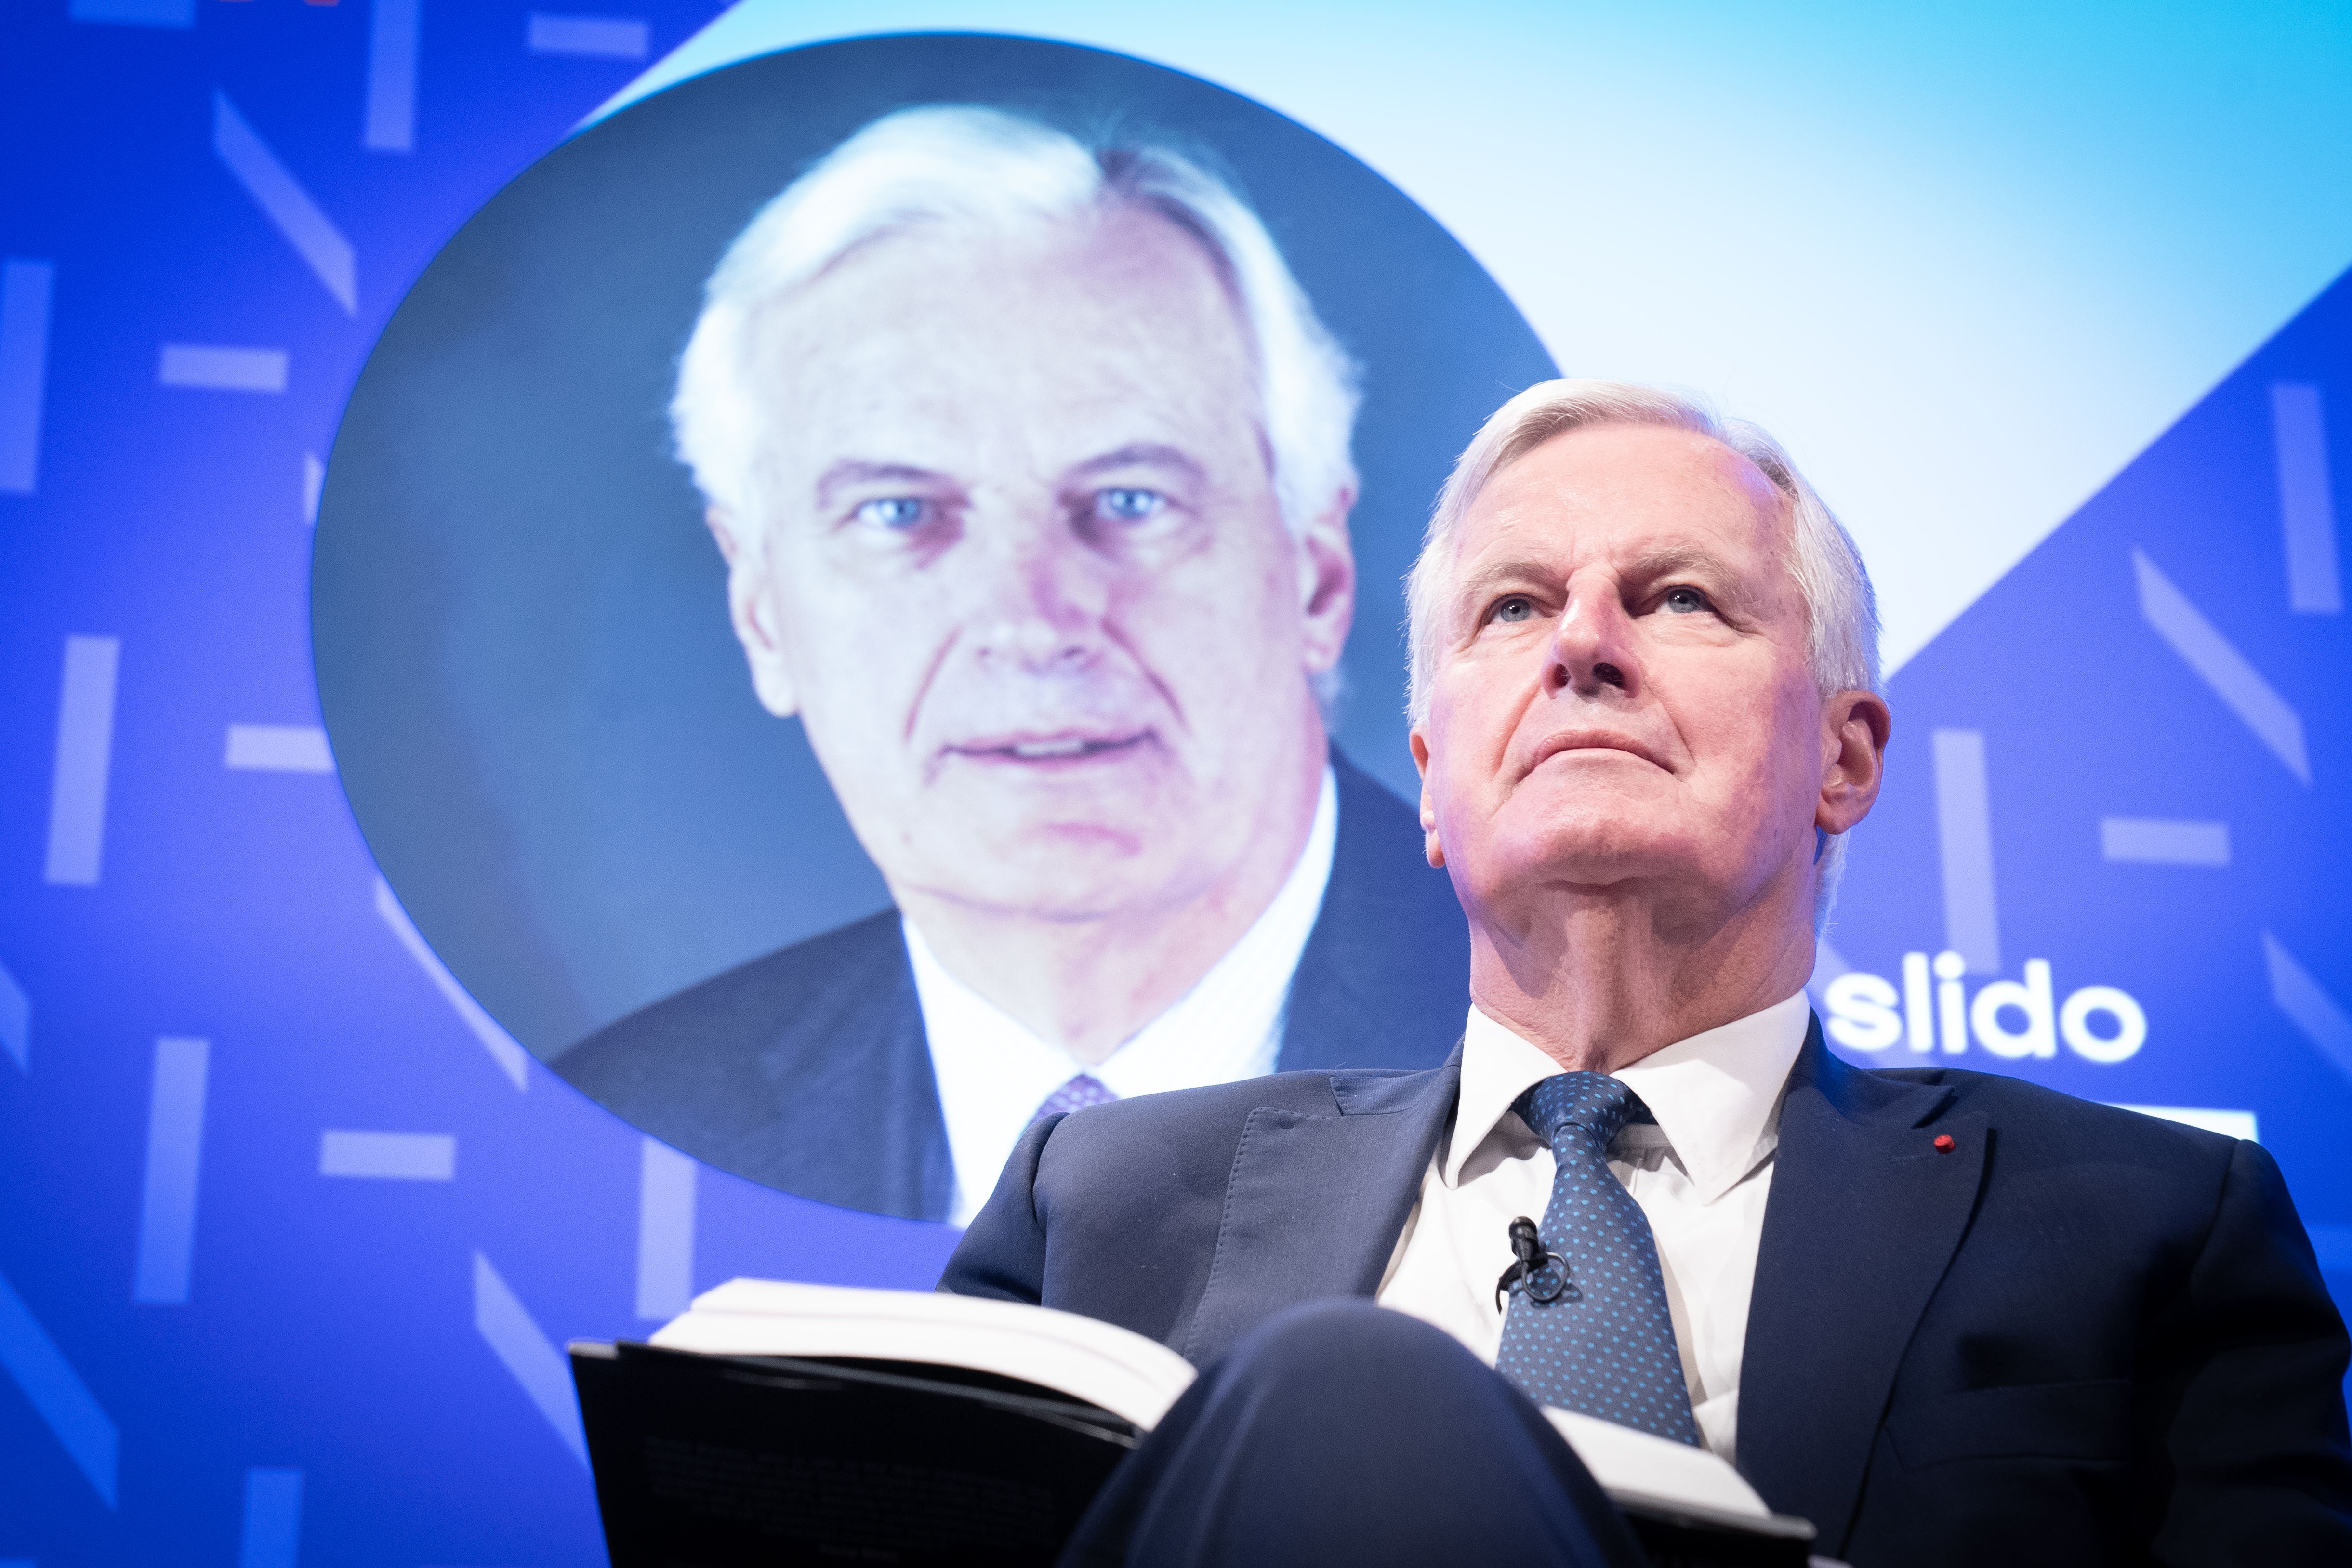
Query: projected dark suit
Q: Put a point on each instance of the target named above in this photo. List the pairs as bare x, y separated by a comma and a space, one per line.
2078, 1336
808, 1069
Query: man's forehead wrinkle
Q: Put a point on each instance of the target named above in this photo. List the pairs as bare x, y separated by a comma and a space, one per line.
1632, 559
1012, 369
851, 471
1143, 455
1478, 583
1052, 264
1679, 557
1603, 482
1080, 360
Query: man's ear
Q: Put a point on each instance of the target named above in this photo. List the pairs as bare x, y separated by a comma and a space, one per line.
1854, 730
1429, 843
1327, 583
752, 607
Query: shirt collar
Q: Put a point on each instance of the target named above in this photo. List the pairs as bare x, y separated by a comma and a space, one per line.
1229, 1025
992, 1072
1716, 1095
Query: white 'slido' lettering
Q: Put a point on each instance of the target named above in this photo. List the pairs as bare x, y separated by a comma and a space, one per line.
2013, 1018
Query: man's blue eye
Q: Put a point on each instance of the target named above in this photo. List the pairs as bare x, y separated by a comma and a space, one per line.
1515, 608
1121, 505
1685, 600
897, 512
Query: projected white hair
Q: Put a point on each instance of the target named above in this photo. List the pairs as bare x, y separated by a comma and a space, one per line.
1840, 608
966, 165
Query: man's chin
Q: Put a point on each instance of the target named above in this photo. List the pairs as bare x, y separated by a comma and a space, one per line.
997, 842
1593, 846
1074, 892
1053, 865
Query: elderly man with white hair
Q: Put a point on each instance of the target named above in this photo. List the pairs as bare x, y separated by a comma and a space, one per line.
1030, 464
1948, 1318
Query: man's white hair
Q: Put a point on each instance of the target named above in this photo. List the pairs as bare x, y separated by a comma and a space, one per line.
976, 166
1840, 608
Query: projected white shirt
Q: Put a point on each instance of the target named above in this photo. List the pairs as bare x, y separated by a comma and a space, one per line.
993, 1073
1701, 1175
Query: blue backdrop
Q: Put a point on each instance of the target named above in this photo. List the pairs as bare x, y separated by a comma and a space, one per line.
290, 1233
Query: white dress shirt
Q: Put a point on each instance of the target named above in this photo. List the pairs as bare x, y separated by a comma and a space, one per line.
993, 1073
1701, 1175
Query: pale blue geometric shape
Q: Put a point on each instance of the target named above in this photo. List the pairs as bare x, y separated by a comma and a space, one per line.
589, 38
2160, 841
2334, 1244
84, 756
390, 119
512, 1060
222, 367
1964, 837
314, 478
665, 1181
285, 204
57, 1394
278, 749
2220, 666
2307, 1005
272, 1536
527, 1354
2314, 579
175, 1143
24, 289
388, 1157
15, 1021
137, 13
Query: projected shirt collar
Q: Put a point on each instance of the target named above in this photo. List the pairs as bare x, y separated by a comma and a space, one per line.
992, 1072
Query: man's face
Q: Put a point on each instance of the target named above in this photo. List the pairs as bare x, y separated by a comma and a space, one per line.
1622, 695
1021, 571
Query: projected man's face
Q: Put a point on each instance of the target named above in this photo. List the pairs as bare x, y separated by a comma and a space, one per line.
1021, 570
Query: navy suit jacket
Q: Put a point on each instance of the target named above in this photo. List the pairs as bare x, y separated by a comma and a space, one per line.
808, 1069
2078, 1336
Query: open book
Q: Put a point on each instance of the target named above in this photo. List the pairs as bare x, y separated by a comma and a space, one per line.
791, 1423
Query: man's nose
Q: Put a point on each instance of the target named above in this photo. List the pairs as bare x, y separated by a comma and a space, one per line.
1039, 599
1591, 649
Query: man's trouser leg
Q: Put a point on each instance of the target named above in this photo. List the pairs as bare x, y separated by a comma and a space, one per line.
1341, 1433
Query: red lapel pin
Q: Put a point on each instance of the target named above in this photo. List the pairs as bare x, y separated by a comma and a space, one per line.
1943, 1143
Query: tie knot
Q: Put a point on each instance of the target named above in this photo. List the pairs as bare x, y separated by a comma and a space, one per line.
1592, 1103
1079, 1092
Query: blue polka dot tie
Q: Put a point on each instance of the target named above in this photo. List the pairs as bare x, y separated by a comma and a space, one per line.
1079, 1092
1604, 1346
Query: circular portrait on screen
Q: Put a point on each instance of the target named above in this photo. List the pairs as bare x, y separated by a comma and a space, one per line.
857, 604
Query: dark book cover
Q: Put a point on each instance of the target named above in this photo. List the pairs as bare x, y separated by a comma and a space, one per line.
724, 1461
706, 1461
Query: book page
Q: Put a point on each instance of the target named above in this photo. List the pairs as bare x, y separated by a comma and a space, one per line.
1130, 1377
1637, 1465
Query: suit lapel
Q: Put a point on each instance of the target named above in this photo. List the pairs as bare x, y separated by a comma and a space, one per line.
1315, 1203
1865, 1215
1385, 974
859, 1123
